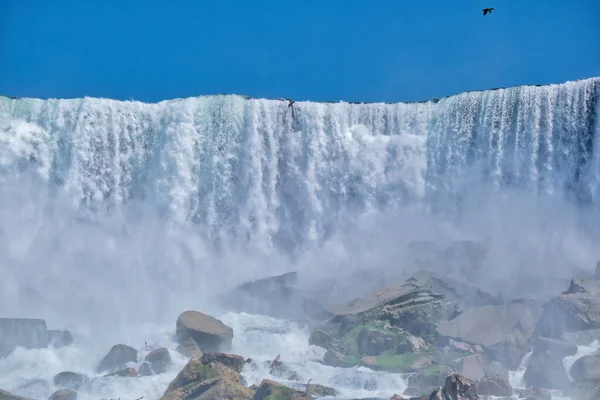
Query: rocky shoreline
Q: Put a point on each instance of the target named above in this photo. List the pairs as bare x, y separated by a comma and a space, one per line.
451, 340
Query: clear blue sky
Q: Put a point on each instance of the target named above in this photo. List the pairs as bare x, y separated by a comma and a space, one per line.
353, 50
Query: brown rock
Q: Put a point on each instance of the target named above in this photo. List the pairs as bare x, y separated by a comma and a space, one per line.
118, 356
232, 361
64, 394
9, 396
189, 348
159, 360
209, 333
124, 373
272, 390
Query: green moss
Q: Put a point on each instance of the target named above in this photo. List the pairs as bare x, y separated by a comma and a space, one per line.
351, 360
436, 370
351, 338
206, 372
397, 362
280, 393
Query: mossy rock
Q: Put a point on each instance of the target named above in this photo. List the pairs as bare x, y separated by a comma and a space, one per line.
270, 390
429, 377
374, 339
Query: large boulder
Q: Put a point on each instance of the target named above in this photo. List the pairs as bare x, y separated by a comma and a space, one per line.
546, 369
576, 309
503, 331
209, 333
456, 387
471, 366
9, 396
22, 332
189, 348
159, 360
64, 394
70, 380
277, 296
495, 385
561, 348
270, 390
59, 339
584, 390
587, 368
207, 379
117, 357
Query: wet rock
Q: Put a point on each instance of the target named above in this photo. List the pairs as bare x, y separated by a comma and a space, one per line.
576, 309
59, 339
314, 389
597, 276
189, 348
70, 380
581, 338
232, 361
124, 373
64, 394
535, 393
561, 348
268, 390
281, 370
209, 333
118, 356
159, 360
206, 379
456, 387
585, 390
279, 297
465, 256
470, 366
336, 359
145, 369
321, 339
496, 368
22, 332
430, 377
587, 368
494, 386
502, 331
546, 369
9, 396
398, 397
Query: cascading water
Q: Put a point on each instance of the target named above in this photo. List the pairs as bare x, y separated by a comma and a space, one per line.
116, 216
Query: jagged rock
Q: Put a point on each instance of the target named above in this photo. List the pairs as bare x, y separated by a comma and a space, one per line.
232, 361
60, 339
585, 390
398, 397
546, 369
206, 379
22, 332
159, 360
496, 368
281, 370
145, 369
430, 377
189, 348
314, 389
581, 338
576, 309
70, 380
494, 386
209, 333
470, 366
321, 339
118, 356
456, 387
277, 296
535, 393
502, 331
587, 368
270, 390
64, 394
336, 359
559, 347
9, 396
124, 373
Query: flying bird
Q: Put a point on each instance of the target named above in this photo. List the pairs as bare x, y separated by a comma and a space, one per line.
487, 10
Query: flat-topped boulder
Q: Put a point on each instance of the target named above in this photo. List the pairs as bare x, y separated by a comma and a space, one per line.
576, 309
209, 333
503, 331
22, 332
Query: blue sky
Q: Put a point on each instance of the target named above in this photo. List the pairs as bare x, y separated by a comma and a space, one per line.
352, 50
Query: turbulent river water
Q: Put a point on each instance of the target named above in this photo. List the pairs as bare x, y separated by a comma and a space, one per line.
117, 216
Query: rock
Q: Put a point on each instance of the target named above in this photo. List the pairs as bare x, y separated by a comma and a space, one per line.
494, 386
124, 373
159, 360
465, 256
586, 368
232, 361
145, 369
502, 331
270, 390
314, 389
535, 393
576, 309
9, 396
22, 332
336, 359
206, 379
70, 380
209, 333
189, 348
546, 369
581, 338
64, 394
321, 339
430, 377
278, 297
597, 276
59, 339
32, 388
496, 368
585, 390
118, 356
559, 347
470, 366
456, 387
398, 397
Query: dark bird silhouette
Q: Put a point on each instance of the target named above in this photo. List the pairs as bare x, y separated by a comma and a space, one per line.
487, 10
290, 104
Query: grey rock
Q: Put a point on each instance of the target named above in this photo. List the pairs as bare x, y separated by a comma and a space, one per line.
64, 394
145, 369
581, 338
470, 366
118, 356
9, 396
496, 368
209, 333
59, 339
586, 368
430, 377
159, 360
584, 390
70, 380
494, 386
561, 348
546, 369
124, 373
232, 361
22, 332
535, 393
189, 348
